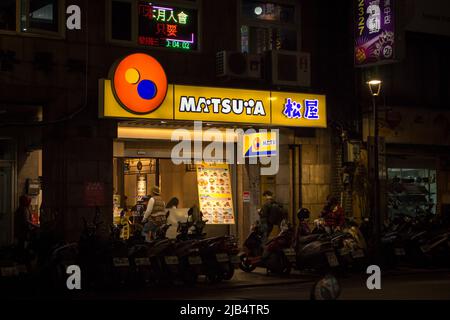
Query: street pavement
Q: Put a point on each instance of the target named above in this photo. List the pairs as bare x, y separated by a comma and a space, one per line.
400, 284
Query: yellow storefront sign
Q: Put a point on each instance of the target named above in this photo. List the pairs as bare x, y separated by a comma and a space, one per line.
225, 105
298, 109
111, 108
222, 105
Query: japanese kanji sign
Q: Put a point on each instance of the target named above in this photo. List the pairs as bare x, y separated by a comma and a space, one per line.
166, 26
374, 32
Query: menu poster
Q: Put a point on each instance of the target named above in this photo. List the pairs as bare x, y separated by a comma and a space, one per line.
214, 193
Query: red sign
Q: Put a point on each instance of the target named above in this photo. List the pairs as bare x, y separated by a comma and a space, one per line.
246, 196
94, 194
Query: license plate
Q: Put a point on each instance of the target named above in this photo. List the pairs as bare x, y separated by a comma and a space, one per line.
171, 260
289, 252
9, 271
222, 257
358, 254
121, 262
291, 258
195, 260
332, 259
142, 261
400, 252
344, 251
235, 259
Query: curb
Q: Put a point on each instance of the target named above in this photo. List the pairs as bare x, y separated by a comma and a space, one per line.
241, 286
417, 271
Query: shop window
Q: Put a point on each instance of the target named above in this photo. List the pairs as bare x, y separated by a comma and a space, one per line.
8, 15
260, 39
33, 16
6, 150
268, 11
39, 15
268, 26
411, 191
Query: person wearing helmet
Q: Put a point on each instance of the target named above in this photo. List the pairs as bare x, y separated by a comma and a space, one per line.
333, 214
303, 227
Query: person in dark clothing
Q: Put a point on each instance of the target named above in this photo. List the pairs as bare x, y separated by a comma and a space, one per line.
303, 229
271, 214
173, 203
23, 222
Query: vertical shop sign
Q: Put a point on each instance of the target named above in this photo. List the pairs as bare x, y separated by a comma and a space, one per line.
94, 194
215, 193
374, 32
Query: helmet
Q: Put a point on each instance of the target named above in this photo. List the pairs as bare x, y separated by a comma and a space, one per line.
328, 288
303, 214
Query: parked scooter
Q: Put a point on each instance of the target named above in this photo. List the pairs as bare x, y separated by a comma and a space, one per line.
273, 255
94, 255
213, 257
314, 251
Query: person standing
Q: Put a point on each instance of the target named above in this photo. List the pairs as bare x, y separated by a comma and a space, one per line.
270, 214
173, 203
155, 215
23, 222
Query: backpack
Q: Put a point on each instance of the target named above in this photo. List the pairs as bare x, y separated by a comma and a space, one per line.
276, 213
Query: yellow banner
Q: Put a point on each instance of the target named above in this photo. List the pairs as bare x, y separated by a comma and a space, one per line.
225, 105
222, 105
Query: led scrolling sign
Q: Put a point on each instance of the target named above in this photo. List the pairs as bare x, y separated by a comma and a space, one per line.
167, 27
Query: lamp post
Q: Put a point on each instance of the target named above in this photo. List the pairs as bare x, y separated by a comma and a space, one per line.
375, 88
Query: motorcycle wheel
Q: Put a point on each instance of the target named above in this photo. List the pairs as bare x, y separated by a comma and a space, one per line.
212, 278
245, 265
189, 278
278, 264
229, 272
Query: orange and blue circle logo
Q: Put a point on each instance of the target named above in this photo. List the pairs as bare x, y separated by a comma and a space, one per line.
139, 83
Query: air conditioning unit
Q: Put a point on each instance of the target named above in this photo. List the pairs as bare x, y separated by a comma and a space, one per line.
238, 65
290, 68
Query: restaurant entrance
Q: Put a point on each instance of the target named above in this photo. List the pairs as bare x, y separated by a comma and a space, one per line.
139, 165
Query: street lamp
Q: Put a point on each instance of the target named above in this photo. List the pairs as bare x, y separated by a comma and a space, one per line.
375, 89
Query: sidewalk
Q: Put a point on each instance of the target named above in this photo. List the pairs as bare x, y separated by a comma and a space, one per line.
413, 270
259, 278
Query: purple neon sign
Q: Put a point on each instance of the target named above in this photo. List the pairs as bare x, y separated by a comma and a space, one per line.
374, 32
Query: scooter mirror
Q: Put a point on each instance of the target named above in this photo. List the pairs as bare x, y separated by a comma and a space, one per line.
327, 288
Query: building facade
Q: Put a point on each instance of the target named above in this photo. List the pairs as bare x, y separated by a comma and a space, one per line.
55, 147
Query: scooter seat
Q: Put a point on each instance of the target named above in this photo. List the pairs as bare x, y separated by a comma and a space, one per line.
309, 238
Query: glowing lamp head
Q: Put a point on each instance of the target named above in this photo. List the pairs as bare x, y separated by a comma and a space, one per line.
258, 11
375, 87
